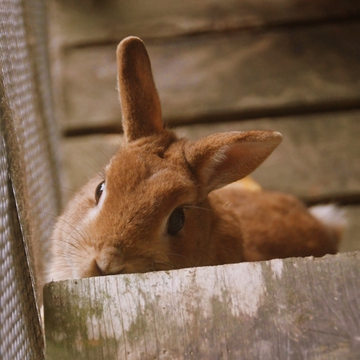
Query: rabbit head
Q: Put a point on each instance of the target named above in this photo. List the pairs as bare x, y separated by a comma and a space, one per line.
149, 209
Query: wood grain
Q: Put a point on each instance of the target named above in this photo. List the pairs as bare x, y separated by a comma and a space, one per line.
239, 74
73, 23
351, 239
297, 308
319, 155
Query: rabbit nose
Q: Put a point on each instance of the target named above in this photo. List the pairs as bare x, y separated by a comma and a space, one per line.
99, 271
110, 270
108, 263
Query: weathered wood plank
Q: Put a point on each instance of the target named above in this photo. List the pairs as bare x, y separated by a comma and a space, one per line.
88, 21
319, 155
237, 73
351, 240
293, 308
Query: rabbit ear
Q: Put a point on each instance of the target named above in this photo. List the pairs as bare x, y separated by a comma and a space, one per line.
140, 103
223, 158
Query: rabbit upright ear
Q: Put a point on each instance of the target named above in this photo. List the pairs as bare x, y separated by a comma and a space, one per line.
223, 158
140, 103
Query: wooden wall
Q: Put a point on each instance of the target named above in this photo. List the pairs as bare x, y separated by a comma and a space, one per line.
291, 66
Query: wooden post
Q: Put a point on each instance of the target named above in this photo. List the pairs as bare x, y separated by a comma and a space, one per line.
304, 308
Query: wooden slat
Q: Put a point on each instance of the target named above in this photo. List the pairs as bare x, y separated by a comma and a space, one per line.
88, 21
293, 308
245, 74
319, 155
351, 238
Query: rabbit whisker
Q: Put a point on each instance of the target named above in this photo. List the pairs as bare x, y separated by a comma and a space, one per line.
77, 231
166, 264
196, 207
174, 254
71, 249
78, 243
73, 254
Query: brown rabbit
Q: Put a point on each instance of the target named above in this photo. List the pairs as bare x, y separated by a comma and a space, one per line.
161, 203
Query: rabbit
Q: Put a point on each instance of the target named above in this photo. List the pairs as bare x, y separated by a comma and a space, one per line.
165, 203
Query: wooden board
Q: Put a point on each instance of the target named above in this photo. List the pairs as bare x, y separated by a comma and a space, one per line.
294, 308
351, 239
319, 155
233, 75
73, 23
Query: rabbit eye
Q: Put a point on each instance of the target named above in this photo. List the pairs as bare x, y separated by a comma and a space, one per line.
99, 190
176, 221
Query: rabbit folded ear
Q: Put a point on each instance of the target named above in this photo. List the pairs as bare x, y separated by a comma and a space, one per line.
223, 158
140, 103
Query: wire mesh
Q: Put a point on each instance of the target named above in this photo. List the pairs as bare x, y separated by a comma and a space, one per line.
20, 331
29, 192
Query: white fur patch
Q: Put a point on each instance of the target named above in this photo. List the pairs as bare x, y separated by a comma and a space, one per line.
330, 215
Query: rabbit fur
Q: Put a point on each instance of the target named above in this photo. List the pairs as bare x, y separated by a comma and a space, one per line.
164, 203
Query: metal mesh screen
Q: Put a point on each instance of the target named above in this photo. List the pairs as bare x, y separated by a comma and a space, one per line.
29, 192
37, 26
27, 109
20, 331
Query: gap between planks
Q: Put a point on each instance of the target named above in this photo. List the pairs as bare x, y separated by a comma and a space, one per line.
255, 114
223, 29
